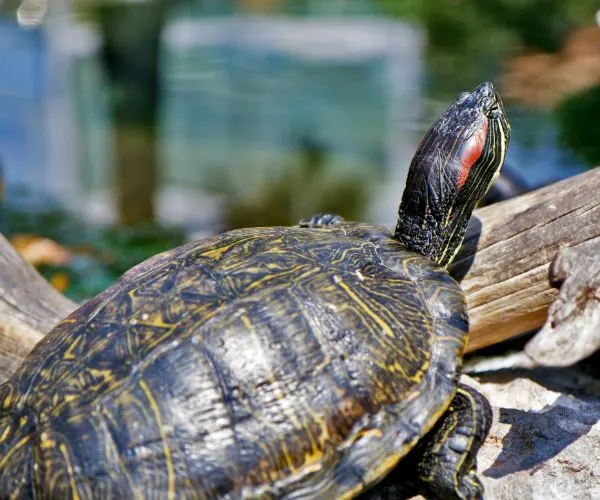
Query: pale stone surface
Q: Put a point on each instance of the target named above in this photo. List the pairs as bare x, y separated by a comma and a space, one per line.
545, 439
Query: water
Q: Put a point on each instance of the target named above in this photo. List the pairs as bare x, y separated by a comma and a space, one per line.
240, 99
535, 151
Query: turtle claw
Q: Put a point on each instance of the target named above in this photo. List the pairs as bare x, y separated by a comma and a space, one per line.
470, 487
321, 220
448, 465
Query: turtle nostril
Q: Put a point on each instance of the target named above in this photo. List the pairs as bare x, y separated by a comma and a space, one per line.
486, 89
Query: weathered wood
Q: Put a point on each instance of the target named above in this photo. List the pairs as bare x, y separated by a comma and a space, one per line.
508, 247
572, 330
29, 307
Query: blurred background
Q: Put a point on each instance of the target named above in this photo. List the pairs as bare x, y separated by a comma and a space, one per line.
129, 127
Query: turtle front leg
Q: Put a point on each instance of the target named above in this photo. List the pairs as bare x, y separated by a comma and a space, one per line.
447, 465
321, 220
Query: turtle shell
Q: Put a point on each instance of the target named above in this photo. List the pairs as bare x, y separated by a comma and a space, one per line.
285, 362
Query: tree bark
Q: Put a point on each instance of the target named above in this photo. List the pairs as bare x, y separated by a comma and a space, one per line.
130, 56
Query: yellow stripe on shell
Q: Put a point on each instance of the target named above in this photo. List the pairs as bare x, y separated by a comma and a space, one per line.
70, 469
14, 449
164, 437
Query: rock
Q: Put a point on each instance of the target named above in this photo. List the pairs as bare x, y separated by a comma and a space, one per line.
545, 439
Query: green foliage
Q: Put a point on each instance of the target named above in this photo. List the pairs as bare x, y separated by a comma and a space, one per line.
468, 40
99, 255
577, 119
298, 190
295, 195
21, 214
123, 248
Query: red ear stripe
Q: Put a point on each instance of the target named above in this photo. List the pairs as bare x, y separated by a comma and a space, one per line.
471, 153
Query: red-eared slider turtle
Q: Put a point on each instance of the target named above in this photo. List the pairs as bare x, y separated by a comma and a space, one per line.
293, 362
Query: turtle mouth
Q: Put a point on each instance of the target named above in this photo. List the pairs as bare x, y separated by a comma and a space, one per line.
492, 104
503, 122
493, 109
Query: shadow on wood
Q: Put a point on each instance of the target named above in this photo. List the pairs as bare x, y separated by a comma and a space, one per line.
506, 285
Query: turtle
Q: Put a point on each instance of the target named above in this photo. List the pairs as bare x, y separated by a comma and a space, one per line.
320, 360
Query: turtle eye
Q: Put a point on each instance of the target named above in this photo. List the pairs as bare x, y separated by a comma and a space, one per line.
493, 111
491, 108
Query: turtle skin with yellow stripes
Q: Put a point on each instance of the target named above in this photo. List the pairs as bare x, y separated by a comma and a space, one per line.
314, 361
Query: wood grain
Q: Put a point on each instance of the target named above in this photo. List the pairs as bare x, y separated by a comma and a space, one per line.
572, 330
503, 264
29, 307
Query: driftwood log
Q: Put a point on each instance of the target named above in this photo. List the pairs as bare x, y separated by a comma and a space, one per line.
503, 264
29, 307
503, 268
572, 330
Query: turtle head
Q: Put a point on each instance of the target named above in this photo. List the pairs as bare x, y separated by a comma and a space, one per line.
454, 166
